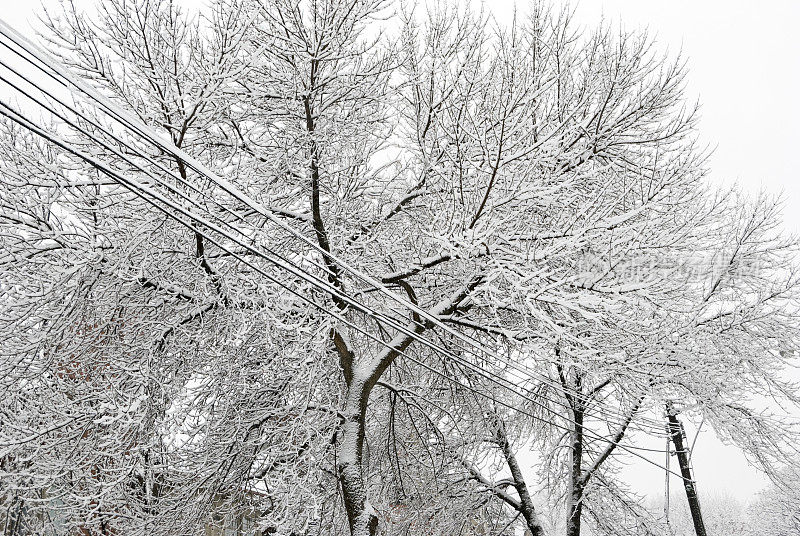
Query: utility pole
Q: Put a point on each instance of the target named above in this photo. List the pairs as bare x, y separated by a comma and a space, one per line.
678, 436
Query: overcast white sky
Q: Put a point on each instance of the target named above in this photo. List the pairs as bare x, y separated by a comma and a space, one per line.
744, 60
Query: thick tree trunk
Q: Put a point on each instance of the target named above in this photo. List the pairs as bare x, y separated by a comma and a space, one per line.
577, 481
677, 434
360, 514
360, 378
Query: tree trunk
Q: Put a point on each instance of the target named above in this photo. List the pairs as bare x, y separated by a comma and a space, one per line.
360, 379
360, 514
677, 434
577, 483
526, 507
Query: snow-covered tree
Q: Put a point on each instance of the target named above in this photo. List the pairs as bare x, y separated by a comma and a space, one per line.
524, 200
776, 512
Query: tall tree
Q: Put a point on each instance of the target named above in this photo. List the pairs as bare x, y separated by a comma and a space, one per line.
522, 195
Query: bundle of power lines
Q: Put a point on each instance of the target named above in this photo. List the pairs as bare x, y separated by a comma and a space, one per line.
182, 200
